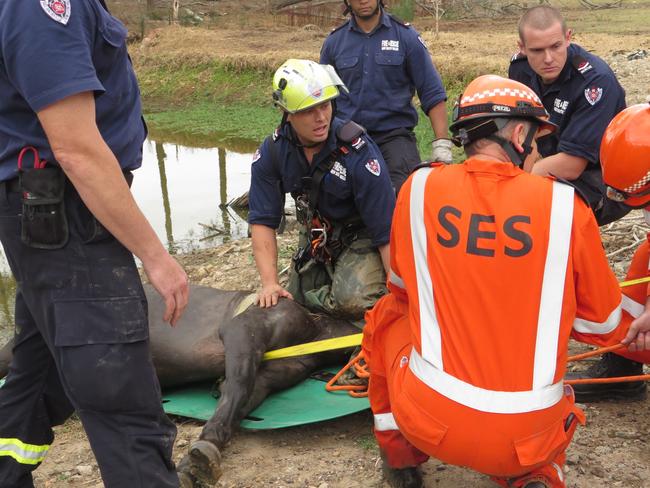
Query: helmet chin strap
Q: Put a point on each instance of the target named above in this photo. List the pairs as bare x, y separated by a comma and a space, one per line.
516, 157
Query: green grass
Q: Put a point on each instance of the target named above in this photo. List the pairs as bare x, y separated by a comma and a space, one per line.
238, 126
208, 104
367, 442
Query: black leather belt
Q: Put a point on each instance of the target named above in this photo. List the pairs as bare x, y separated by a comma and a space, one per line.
12, 185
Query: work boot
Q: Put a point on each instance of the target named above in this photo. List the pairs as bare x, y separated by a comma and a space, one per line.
402, 477
610, 365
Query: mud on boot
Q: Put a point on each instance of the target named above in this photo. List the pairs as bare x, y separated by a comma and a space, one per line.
402, 477
610, 366
202, 465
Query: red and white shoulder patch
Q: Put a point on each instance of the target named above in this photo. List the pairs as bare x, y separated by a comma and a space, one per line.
593, 94
58, 10
374, 167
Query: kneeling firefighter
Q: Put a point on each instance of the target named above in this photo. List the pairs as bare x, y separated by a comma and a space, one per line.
343, 195
468, 350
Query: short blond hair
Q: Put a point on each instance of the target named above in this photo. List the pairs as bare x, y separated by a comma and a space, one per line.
540, 18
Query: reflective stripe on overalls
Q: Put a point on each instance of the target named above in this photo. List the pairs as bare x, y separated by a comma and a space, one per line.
23, 453
428, 365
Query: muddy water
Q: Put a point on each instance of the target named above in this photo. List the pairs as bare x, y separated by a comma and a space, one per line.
183, 190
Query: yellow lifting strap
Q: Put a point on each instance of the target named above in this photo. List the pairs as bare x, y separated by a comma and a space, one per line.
355, 339
314, 347
634, 282
22, 452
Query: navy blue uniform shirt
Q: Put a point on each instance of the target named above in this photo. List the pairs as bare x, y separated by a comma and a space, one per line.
382, 70
357, 185
582, 101
46, 57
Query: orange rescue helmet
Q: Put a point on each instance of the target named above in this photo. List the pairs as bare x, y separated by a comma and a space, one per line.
625, 156
491, 96
485, 108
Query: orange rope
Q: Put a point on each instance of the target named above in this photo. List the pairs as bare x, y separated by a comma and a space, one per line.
595, 352
357, 391
619, 379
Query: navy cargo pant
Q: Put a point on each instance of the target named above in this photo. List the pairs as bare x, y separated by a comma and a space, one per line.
81, 344
400, 151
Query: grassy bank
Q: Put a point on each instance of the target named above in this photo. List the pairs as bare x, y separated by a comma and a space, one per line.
208, 86
213, 105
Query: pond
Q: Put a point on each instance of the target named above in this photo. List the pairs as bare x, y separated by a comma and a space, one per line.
183, 190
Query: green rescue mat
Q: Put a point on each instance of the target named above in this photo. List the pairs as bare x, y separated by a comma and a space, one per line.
305, 403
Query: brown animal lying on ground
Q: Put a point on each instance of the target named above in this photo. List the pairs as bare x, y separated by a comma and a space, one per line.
215, 339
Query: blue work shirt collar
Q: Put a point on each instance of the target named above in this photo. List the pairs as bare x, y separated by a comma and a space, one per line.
384, 20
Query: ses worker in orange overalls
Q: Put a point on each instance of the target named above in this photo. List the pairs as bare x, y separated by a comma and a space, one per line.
625, 157
492, 270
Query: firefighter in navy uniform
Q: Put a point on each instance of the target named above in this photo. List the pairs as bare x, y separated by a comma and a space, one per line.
70, 118
344, 199
582, 95
384, 61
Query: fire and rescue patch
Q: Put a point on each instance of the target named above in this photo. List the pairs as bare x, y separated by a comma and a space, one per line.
374, 167
387, 45
58, 10
560, 106
593, 94
257, 156
358, 143
339, 171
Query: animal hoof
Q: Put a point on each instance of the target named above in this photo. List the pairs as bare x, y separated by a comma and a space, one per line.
205, 462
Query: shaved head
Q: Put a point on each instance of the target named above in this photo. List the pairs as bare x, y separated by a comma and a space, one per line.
540, 18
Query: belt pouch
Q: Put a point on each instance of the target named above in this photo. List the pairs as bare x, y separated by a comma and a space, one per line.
44, 222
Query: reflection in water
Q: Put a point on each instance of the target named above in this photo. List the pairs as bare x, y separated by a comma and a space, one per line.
189, 209
223, 194
160, 156
183, 191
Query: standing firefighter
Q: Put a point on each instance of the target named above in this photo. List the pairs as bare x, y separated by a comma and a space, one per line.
384, 61
625, 156
492, 269
344, 200
70, 133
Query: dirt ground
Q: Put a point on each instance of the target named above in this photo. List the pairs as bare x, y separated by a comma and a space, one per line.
611, 450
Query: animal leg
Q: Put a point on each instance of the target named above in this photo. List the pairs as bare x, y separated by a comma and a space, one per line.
244, 349
278, 375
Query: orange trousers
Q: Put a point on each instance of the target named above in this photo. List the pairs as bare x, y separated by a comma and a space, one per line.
511, 448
